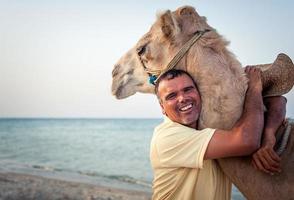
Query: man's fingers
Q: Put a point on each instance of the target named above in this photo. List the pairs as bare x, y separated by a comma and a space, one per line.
259, 164
246, 69
264, 161
274, 155
277, 160
271, 156
267, 162
270, 160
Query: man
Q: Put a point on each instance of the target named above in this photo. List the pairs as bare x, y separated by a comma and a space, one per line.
182, 156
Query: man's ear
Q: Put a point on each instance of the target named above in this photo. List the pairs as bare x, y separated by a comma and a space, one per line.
162, 108
168, 24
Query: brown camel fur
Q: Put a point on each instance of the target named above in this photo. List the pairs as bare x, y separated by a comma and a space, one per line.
222, 85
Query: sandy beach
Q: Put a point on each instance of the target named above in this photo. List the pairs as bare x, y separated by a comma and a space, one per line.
27, 187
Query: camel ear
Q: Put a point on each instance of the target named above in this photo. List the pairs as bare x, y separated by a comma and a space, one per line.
187, 11
190, 21
168, 24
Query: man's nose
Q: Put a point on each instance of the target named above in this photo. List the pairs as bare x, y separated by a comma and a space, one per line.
181, 97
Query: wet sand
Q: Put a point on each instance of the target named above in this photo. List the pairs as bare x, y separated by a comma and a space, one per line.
26, 187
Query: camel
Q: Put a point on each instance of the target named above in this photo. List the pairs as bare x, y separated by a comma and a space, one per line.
222, 85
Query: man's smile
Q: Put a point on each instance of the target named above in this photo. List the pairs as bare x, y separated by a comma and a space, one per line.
186, 107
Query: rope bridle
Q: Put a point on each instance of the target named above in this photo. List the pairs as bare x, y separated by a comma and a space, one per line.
155, 74
282, 142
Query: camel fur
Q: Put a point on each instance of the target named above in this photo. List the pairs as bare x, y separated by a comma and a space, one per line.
222, 84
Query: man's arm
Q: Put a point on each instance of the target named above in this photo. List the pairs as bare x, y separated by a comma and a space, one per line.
266, 159
244, 137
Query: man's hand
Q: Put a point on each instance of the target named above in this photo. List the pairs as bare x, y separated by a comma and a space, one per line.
254, 77
265, 158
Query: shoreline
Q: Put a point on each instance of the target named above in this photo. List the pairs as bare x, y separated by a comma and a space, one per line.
24, 186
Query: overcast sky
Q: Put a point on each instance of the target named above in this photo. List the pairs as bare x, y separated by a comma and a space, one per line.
56, 56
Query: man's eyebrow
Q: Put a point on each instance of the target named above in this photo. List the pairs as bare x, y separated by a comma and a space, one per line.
169, 94
189, 87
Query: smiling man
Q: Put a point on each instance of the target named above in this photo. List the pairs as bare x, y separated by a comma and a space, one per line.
182, 157
178, 107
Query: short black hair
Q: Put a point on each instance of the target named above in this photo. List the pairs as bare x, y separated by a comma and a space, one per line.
171, 74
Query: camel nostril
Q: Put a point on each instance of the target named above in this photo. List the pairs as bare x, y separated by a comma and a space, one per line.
116, 70
130, 72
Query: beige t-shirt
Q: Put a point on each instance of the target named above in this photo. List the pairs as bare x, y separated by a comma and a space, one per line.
180, 172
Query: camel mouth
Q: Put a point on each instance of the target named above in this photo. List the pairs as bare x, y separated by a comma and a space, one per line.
121, 95
119, 91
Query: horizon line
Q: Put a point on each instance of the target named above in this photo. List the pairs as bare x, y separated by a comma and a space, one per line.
81, 118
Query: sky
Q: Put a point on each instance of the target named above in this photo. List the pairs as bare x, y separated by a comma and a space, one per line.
56, 56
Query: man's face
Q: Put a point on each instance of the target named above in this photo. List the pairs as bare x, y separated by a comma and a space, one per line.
180, 100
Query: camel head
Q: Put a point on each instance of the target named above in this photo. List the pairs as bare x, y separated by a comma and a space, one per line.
155, 50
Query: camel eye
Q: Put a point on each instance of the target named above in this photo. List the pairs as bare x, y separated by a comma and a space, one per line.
141, 50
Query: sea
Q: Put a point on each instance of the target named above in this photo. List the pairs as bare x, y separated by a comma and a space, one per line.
107, 152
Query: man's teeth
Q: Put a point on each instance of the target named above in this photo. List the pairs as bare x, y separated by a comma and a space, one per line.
186, 107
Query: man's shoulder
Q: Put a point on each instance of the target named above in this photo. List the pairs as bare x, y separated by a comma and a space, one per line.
163, 125
166, 126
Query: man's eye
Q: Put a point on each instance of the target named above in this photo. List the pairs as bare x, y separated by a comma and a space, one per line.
188, 89
170, 96
141, 50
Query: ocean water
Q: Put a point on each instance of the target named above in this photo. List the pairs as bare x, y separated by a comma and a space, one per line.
110, 152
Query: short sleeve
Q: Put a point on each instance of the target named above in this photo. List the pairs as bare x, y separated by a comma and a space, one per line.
181, 146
